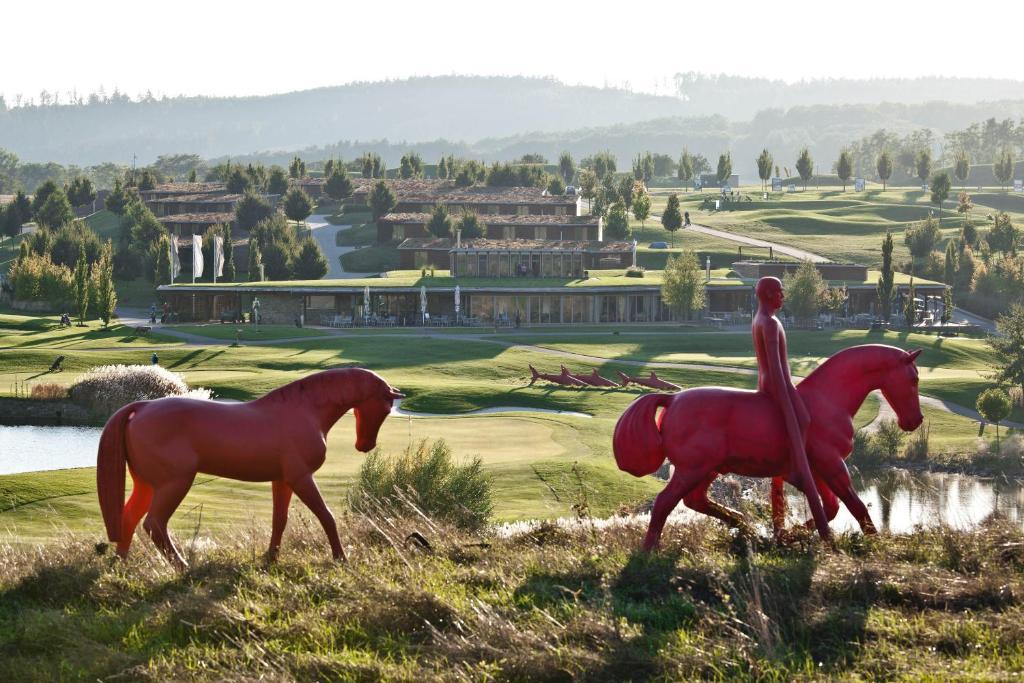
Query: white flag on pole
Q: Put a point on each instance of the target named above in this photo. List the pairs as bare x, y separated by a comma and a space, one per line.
197, 256
218, 257
175, 260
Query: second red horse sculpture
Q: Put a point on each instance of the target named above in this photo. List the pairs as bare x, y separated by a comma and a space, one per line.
279, 438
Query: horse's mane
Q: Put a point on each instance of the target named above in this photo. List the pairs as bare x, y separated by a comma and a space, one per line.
867, 357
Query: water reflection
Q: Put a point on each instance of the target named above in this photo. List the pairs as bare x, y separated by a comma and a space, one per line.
901, 499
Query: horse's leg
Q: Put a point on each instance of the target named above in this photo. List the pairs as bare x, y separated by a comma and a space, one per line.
134, 510
308, 492
838, 479
697, 499
282, 498
828, 501
681, 483
166, 499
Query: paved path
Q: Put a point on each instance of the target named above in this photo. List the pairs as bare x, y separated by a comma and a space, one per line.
325, 234
985, 324
798, 254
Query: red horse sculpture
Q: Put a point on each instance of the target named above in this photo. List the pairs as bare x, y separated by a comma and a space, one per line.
709, 431
593, 379
652, 382
565, 379
280, 438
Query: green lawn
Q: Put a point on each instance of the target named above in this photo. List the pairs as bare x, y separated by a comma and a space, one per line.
107, 224
229, 332
376, 258
27, 331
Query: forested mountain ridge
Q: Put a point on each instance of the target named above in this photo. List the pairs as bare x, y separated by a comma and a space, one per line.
489, 116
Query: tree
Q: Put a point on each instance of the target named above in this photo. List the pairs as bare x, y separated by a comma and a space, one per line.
1008, 346
566, 167
682, 287
297, 204
618, 222
884, 167
163, 274
964, 206
338, 185
81, 286
192, 176
106, 295
117, 200
69, 240
994, 405
470, 225
805, 291
277, 261
238, 181
885, 280
951, 263
641, 206
297, 168
381, 200
1004, 234
685, 168
844, 167
805, 166
229, 255
923, 164
147, 180
23, 206
277, 181
588, 186
947, 305
440, 223
42, 193
922, 237
556, 186
55, 211
255, 261
411, 166
910, 306
250, 210
310, 264
672, 217
1002, 167
961, 166
940, 190
81, 191
724, 167
764, 168
442, 168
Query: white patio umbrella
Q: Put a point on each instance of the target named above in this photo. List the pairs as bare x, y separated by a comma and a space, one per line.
366, 301
458, 301
423, 303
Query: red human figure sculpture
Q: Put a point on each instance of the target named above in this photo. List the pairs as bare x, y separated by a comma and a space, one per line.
593, 379
280, 438
564, 378
651, 382
773, 379
708, 431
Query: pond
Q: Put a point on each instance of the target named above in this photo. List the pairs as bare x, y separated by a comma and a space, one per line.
32, 449
898, 499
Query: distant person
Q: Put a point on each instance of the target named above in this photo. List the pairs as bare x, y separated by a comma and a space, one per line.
686, 219
517, 319
165, 313
154, 359
152, 313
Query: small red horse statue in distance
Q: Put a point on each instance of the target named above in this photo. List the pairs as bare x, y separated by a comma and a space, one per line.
280, 438
709, 431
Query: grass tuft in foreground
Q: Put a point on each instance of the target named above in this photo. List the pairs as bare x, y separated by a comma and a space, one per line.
547, 602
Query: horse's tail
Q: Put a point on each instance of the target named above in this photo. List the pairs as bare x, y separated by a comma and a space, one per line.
624, 376
536, 375
637, 439
110, 469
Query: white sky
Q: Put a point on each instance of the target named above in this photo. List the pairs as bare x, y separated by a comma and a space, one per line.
219, 47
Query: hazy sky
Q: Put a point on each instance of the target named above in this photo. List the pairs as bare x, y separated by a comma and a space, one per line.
240, 48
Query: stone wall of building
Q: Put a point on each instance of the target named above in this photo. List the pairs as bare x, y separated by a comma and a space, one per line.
280, 309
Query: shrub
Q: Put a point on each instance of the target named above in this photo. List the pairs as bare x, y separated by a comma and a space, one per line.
635, 271
429, 476
888, 437
104, 389
917, 444
48, 391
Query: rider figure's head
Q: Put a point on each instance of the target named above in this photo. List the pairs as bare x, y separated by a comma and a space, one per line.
769, 293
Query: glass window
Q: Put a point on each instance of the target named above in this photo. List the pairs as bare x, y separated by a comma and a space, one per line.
398, 232
492, 264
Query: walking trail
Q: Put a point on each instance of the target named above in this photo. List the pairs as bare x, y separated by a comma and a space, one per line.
325, 234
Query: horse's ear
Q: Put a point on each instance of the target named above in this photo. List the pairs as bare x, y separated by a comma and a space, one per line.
394, 395
914, 354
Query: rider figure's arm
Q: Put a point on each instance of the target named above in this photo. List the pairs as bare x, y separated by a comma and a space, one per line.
784, 393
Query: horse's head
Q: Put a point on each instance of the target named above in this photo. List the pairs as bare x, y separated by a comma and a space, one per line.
371, 411
899, 386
